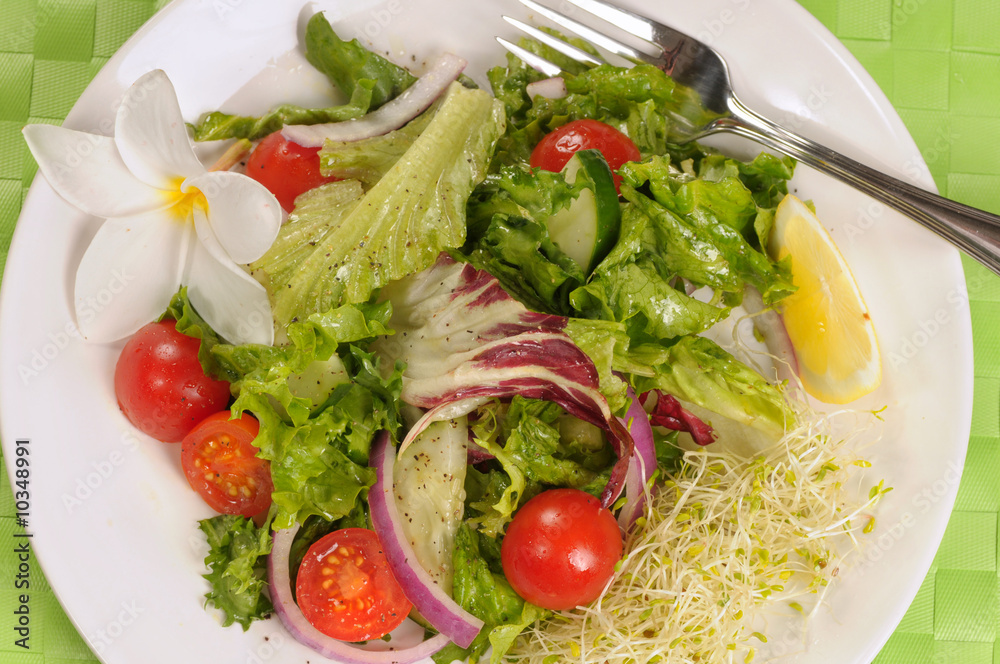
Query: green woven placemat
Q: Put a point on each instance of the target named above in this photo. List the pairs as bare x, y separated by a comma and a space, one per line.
937, 60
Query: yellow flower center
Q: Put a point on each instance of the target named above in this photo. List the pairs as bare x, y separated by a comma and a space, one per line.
182, 205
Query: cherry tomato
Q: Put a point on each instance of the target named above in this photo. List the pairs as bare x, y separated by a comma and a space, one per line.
222, 465
161, 386
555, 149
346, 590
561, 548
287, 169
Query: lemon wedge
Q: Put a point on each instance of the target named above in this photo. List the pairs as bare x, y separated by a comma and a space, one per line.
827, 320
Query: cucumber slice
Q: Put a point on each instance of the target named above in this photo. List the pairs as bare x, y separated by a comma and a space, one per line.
587, 229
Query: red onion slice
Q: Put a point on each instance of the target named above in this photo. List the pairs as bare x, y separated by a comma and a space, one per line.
394, 114
550, 88
641, 465
433, 603
303, 632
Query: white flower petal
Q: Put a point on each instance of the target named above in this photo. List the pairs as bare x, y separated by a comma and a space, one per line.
227, 298
151, 135
244, 215
128, 274
87, 171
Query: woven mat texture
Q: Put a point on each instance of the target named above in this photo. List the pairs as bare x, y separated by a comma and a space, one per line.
937, 60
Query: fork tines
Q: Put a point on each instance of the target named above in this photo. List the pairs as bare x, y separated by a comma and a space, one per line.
612, 14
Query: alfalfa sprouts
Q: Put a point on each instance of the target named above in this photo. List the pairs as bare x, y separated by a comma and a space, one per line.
722, 540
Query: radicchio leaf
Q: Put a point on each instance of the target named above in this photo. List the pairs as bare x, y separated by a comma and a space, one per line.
669, 414
465, 340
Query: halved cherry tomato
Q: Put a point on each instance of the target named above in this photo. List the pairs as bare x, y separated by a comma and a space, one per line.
561, 549
555, 149
222, 465
346, 590
161, 386
287, 169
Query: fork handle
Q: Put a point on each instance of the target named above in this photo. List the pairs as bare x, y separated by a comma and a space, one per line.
974, 231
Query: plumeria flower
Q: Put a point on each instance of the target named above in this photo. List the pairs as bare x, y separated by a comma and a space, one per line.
169, 221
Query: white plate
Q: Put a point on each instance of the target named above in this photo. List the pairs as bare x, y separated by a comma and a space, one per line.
112, 516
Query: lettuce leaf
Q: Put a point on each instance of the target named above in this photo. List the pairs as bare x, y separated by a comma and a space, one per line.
400, 225
532, 441
482, 590
508, 236
532, 452
318, 441
695, 369
320, 466
640, 101
237, 568
301, 377
350, 65
520, 253
217, 126
704, 226
638, 295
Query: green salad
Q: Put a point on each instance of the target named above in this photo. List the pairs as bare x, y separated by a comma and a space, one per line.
491, 406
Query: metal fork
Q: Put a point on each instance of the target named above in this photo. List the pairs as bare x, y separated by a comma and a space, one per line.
696, 65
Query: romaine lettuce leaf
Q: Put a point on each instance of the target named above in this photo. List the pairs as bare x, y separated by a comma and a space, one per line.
400, 225
237, 568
